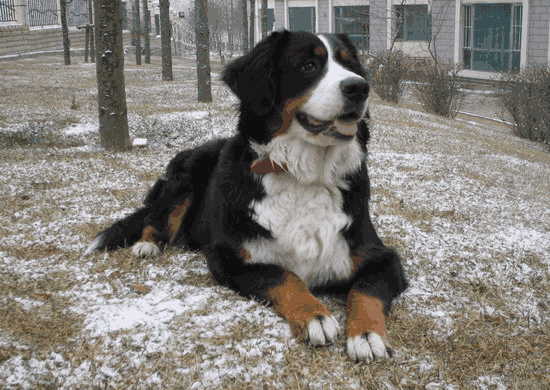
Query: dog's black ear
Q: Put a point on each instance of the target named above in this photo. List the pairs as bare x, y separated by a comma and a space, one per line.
252, 76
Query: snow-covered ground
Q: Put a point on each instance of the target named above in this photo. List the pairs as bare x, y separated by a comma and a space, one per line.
467, 205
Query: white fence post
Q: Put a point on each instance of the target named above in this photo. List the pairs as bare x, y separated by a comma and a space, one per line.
21, 12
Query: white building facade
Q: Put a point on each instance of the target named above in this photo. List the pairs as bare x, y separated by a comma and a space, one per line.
482, 36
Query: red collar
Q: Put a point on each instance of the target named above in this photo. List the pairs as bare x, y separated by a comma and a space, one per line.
261, 167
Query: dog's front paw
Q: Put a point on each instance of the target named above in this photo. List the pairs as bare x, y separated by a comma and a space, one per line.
367, 347
322, 330
145, 249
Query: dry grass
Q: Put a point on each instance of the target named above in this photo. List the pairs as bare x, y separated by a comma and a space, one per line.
475, 316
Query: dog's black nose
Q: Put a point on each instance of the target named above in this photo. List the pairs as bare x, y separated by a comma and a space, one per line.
355, 89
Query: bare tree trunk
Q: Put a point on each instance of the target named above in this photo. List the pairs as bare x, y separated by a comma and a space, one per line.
86, 43
92, 35
137, 28
252, 24
264, 18
204, 92
245, 26
146, 31
230, 30
111, 93
65, 29
165, 35
174, 32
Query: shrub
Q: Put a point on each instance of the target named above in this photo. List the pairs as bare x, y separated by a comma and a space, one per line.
438, 89
386, 73
526, 96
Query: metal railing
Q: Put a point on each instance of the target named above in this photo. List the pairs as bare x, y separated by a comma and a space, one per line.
7, 11
42, 13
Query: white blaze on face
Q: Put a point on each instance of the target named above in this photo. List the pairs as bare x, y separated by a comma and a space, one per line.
326, 99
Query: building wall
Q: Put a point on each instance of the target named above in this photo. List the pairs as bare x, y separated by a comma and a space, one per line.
323, 21
279, 12
378, 25
443, 29
539, 30
415, 49
445, 26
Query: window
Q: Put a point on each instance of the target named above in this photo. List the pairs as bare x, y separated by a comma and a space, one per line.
354, 21
301, 18
413, 22
492, 36
270, 19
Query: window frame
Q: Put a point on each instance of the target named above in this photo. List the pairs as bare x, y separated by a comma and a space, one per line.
364, 37
514, 49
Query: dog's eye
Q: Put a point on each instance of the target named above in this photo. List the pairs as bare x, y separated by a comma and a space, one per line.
309, 67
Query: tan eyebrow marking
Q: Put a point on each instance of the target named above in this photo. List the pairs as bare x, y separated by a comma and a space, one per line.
320, 51
344, 54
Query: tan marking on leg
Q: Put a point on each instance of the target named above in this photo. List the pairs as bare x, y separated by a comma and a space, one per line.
289, 109
175, 218
356, 263
148, 244
245, 255
365, 314
148, 234
294, 302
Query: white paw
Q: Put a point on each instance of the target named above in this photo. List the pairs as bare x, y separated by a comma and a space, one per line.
367, 347
322, 330
145, 249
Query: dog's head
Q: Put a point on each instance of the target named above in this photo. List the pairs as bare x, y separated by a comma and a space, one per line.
296, 82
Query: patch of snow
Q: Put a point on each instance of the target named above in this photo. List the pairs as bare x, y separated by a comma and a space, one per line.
189, 115
80, 129
490, 382
28, 304
139, 142
155, 308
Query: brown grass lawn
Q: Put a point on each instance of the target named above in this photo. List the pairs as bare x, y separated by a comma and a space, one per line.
467, 205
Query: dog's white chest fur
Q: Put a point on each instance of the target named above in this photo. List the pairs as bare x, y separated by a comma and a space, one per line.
305, 216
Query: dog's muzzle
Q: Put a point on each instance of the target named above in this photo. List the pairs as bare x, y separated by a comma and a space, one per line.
355, 91
342, 128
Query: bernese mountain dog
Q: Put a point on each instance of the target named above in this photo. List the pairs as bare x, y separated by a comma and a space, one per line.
282, 208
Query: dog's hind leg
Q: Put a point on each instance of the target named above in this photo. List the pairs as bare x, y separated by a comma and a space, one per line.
149, 243
161, 226
150, 227
168, 202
